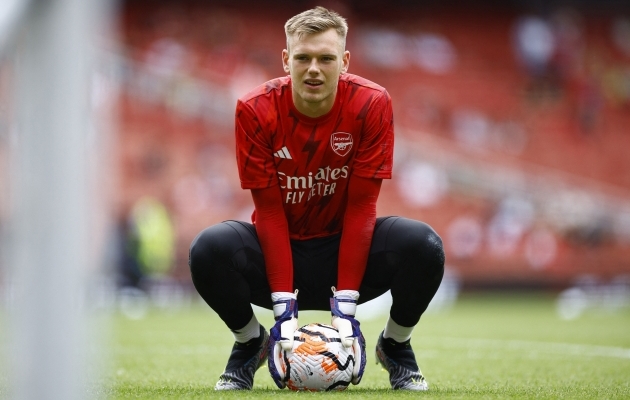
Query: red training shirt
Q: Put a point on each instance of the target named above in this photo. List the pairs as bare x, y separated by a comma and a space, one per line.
311, 159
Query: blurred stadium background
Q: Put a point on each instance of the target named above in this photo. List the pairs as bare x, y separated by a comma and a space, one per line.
513, 130
513, 137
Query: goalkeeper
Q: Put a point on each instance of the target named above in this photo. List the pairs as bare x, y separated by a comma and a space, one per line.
313, 147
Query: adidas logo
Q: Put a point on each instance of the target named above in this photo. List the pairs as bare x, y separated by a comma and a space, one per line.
283, 153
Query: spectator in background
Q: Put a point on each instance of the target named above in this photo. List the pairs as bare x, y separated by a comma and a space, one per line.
534, 45
146, 243
129, 273
155, 236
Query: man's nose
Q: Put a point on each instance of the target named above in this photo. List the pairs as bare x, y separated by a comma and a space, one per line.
313, 68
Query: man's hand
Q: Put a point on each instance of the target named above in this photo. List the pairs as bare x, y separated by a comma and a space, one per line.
343, 307
285, 312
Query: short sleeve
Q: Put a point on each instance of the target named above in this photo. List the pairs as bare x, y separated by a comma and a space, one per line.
374, 157
254, 156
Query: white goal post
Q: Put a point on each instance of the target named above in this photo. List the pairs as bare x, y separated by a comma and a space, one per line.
50, 46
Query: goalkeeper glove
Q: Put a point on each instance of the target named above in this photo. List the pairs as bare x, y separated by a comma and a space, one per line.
343, 307
285, 312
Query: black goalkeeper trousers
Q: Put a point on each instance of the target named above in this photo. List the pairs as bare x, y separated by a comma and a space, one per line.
228, 269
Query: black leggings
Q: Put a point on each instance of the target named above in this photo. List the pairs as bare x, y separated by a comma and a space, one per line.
228, 269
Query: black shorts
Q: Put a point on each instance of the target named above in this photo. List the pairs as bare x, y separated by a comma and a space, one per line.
315, 261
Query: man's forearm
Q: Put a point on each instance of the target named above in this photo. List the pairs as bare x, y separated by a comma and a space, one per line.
273, 235
358, 227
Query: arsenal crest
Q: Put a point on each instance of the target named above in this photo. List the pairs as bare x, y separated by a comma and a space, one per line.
341, 143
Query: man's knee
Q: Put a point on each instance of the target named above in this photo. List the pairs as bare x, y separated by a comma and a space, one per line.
214, 243
420, 242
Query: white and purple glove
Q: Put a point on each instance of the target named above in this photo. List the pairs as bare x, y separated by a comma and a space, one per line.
343, 307
285, 312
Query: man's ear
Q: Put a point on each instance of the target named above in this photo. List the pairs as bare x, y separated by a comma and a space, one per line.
285, 61
345, 62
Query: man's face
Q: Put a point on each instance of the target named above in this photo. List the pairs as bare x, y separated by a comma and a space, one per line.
315, 63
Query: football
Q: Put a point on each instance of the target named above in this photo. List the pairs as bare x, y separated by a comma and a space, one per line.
318, 360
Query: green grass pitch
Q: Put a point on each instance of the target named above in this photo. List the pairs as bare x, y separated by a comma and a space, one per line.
485, 346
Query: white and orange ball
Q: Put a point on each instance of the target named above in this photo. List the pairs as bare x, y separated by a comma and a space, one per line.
318, 360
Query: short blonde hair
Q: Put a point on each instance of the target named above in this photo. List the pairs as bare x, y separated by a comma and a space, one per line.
316, 20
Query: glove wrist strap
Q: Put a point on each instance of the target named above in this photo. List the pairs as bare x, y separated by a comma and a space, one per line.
284, 304
344, 301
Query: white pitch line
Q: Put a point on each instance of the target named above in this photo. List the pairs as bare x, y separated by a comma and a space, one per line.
545, 347
533, 348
